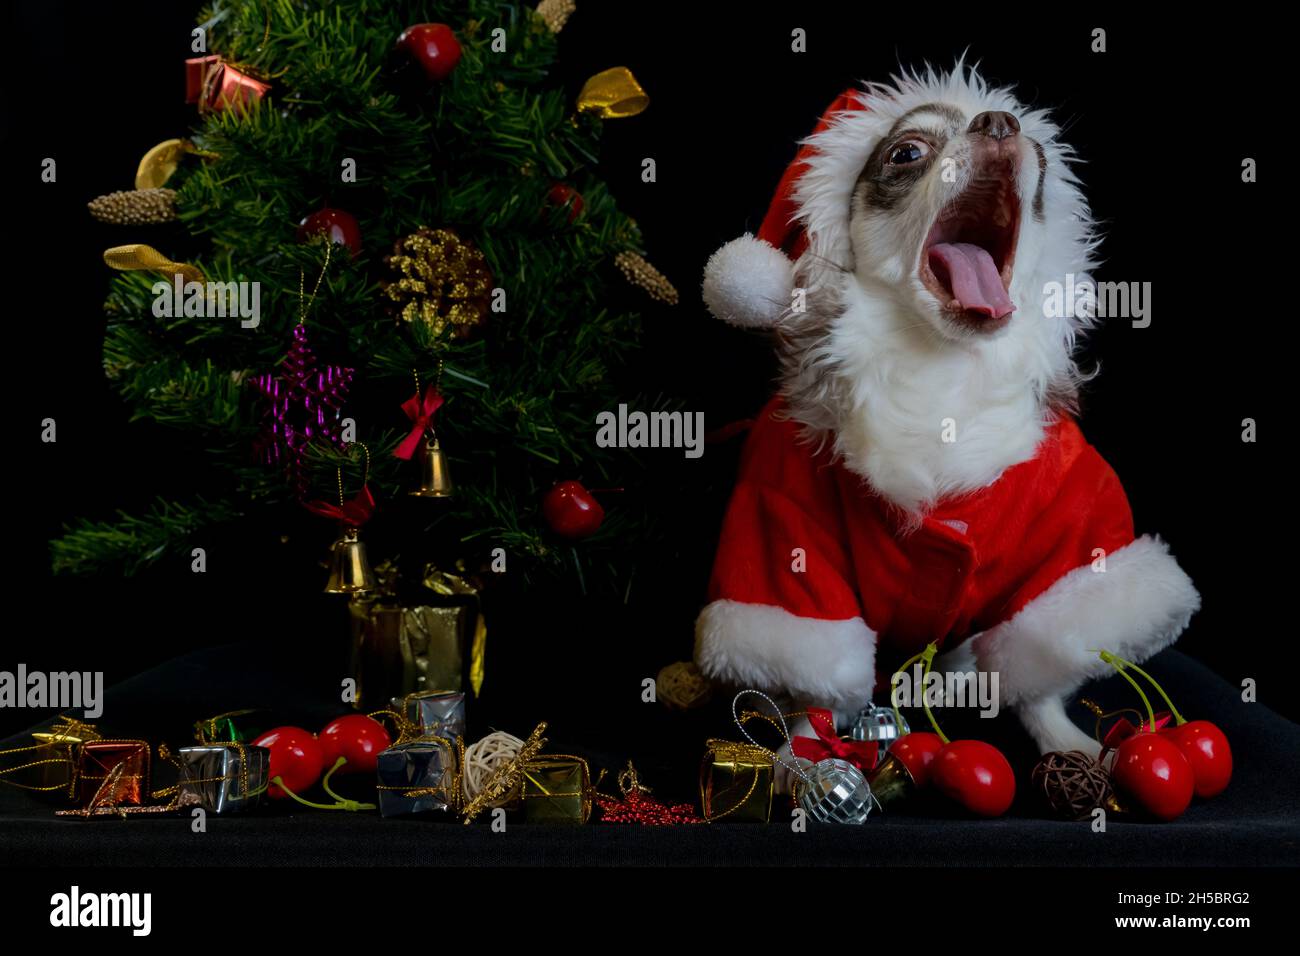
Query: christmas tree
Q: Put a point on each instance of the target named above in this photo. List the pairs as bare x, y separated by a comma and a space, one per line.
414, 212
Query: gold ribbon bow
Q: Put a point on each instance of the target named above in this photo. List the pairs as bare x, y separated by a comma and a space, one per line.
137, 257
613, 94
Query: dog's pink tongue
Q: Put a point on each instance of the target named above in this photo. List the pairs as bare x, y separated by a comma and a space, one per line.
973, 278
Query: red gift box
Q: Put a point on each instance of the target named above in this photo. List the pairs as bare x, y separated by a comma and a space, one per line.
98, 760
216, 85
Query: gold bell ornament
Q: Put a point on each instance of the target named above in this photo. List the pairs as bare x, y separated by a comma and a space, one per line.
350, 571
435, 480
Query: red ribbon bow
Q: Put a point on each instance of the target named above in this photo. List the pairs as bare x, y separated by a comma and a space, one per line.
861, 753
420, 412
1124, 728
352, 513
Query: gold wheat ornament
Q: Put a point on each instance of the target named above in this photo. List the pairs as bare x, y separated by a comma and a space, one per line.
441, 281
642, 274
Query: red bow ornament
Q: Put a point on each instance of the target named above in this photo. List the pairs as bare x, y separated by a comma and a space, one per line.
420, 412
861, 753
351, 514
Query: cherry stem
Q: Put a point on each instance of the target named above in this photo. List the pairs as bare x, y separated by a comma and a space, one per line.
351, 804
928, 656
1121, 669
893, 691
1178, 718
341, 804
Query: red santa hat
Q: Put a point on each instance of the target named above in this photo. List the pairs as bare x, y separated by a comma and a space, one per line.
748, 282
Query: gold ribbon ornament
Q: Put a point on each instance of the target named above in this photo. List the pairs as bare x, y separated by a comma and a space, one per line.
137, 257
613, 94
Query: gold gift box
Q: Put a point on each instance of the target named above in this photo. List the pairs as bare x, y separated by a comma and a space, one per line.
556, 789
401, 650
53, 759
736, 783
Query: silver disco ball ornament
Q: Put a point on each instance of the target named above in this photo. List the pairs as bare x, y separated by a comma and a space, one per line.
879, 724
834, 791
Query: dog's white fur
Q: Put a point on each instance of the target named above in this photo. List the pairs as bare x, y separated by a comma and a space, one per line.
873, 367
876, 368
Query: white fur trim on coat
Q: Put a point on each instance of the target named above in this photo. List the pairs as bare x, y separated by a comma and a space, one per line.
748, 282
1135, 608
826, 663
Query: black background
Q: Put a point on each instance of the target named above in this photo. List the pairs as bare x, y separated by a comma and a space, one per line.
1162, 136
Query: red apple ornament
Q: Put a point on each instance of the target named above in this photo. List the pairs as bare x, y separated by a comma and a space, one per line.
296, 759
571, 511
433, 46
562, 195
358, 739
917, 751
337, 225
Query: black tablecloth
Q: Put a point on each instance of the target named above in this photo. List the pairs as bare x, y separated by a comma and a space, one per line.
1255, 822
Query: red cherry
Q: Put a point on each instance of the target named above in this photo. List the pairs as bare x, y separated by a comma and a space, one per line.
917, 751
1207, 753
1151, 769
434, 46
976, 775
338, 225
571, 511
295, 758
562, 194
357, 737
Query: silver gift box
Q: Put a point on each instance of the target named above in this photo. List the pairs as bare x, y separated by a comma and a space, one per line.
438, 713
415, 766
224, 778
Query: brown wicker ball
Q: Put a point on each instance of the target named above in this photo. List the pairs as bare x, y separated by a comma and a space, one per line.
1072, 783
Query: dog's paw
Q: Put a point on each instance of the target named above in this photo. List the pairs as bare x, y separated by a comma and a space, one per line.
783, 776
1052, 729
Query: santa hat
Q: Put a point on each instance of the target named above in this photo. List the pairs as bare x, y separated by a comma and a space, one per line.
749, 281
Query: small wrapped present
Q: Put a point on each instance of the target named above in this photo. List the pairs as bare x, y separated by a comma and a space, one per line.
439, 713
47, 767
400, 650
736, 782
556, 789
214, 84
417, 776
418, 639
56, 753
222, 778
97, 759
231, 727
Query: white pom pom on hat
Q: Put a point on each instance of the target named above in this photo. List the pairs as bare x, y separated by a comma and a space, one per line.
749, 281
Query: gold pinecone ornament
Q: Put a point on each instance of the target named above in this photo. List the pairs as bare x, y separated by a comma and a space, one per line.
135, 207
441, 282
641, 273
556, 13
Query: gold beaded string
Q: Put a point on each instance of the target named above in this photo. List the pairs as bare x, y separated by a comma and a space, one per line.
304, 308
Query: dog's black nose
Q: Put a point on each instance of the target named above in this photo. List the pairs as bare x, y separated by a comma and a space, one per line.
995, 124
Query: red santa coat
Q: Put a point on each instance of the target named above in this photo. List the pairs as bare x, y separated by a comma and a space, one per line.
975, 562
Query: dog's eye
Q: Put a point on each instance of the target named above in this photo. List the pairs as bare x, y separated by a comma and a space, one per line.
907, 152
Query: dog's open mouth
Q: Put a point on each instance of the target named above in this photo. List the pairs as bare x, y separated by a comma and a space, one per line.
968, 256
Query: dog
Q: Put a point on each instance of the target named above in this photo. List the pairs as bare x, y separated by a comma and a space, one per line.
919, 476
